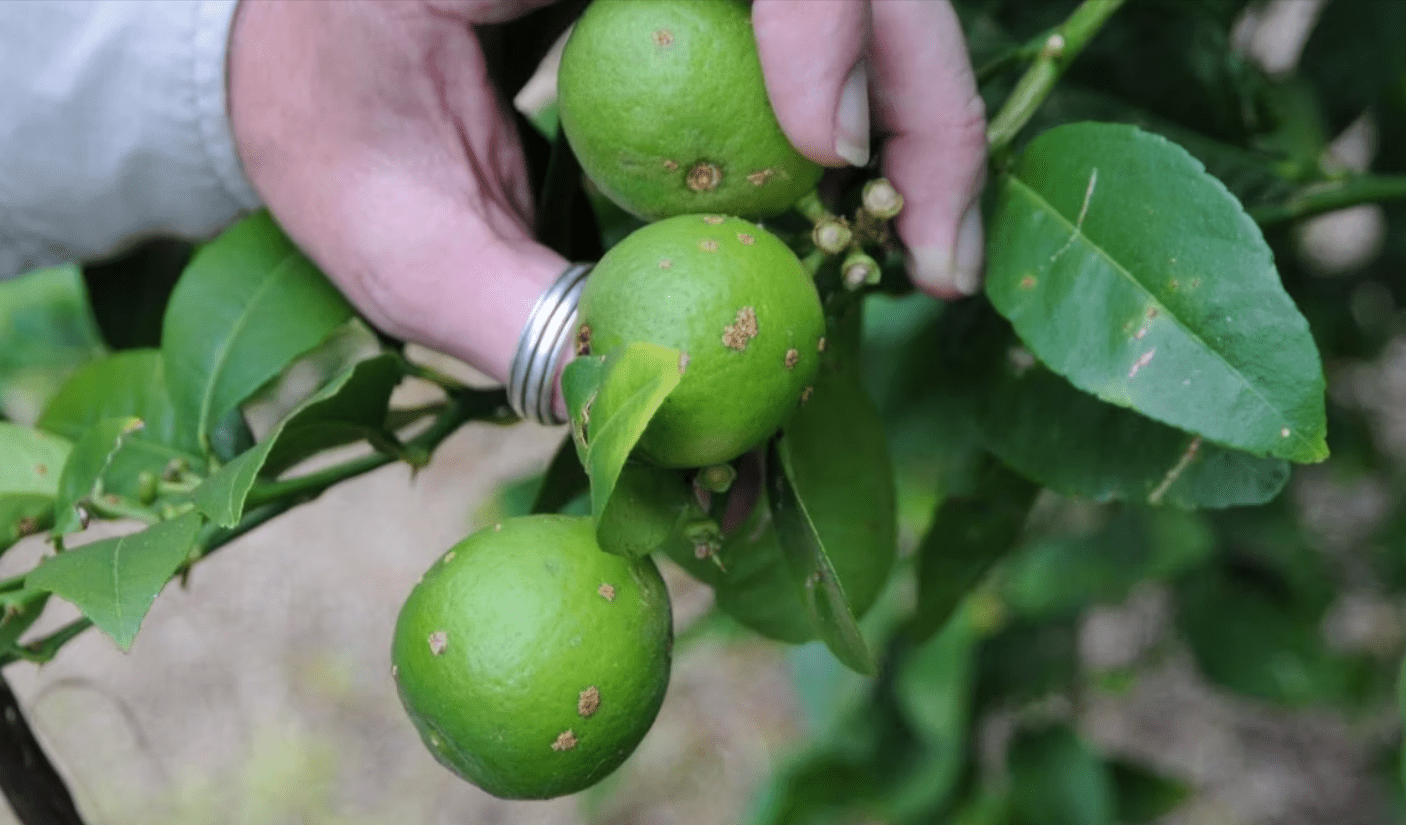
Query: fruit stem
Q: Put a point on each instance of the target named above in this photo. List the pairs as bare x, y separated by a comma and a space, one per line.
811, 208
1058, 50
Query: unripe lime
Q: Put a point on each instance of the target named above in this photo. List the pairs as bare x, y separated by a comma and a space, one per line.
740, 306
531, 662
664, 103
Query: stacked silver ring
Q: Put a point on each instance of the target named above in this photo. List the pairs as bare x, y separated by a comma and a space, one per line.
542, 346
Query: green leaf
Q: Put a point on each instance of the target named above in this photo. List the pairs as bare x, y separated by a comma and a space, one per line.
933, 689
1056, 779
31, 463
564, 480
648, 506
19, 609
1081, 447
968, 535
354, 400
1063, 575
248, 304
82, 476
810, 567
1143, 795
1131, 272
125, 384
46, 331
115, 581
612, 401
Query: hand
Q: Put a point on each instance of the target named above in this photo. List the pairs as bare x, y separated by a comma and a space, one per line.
372, 133
827, 61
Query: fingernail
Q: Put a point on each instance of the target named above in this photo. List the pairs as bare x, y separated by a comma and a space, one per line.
852, 117
971, 252
952, 273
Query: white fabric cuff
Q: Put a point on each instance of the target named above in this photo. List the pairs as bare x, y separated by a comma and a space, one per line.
113, 127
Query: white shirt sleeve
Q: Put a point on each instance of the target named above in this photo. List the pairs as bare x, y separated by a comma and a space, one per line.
113, 127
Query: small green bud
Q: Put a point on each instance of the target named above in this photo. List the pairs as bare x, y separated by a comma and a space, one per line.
882, 200
717, 478
860, 270
832, 235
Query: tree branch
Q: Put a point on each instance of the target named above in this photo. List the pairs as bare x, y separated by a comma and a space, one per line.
30, 782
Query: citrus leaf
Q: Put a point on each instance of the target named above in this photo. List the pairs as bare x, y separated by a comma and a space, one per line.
355, 399
46, 331
933, 689
115, 581
1131, 272
248, 304
83, 473
18, 611
1082, 447
1142, 795
612, 401
31, 463
125, 384
810, 567
1057, 779
968, 535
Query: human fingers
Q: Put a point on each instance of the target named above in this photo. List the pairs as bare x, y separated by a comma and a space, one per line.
812, 58
372, 133
926, 101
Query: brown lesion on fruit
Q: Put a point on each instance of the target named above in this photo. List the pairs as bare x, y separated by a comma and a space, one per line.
761, 176
663, 37
439, 642
806, 394
713, 220
395, 672
606, 591
448, 557
742, 330
703, 176
671, 165
745, 239
565, 741
793, 356
26, 526
683, 362
820, 345
665, 263
583, 340
708, 245
588, 702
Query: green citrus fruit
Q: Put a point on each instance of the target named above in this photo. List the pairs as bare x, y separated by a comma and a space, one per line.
740, 306
664, 104
531, 662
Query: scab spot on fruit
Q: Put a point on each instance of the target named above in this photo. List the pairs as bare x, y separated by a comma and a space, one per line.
793, 355
665, 263
395, 672
588, 702
663, 37
708, 245
439, 641
820, 345
566, 740
606, 591
806, 394
1028, 282
713, 220
703, 176
761, 176
583, 340
745, 239
671, 165
40, 469
683, 362
448, 557
742, 330
1284, 433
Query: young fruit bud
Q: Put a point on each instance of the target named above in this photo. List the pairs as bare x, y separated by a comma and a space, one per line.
146, 487
832, 235
860, 270
717, 479
882, 200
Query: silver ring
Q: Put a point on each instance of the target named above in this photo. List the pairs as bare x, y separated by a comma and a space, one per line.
541, 347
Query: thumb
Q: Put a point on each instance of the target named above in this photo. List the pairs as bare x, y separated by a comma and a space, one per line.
811, 53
